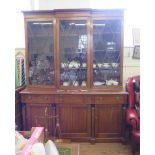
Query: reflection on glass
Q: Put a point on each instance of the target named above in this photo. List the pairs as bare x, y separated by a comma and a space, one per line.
106, 52
41, 53
73, 52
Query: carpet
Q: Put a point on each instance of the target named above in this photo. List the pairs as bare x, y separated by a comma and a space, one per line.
105, 149
68, 148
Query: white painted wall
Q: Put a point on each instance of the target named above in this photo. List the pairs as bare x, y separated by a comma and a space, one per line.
131, 66
63, 4
131, 15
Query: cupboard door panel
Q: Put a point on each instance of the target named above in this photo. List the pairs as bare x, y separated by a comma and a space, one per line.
108, 121
40, 115
74, 120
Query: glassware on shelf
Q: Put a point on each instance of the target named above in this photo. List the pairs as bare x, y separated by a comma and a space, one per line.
111, 46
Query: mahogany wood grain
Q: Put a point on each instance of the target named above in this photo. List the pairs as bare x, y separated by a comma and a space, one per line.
108, 118
75, 120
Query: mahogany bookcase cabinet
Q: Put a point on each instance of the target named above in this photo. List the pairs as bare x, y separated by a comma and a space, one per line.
74, 68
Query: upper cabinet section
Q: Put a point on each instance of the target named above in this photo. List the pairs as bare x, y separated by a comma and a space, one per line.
74, 49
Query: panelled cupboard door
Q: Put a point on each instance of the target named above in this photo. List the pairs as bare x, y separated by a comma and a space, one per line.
75, 121
40, 115
108, 122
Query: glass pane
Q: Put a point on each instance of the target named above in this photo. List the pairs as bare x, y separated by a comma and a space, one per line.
73, 52
106, 52
41, 53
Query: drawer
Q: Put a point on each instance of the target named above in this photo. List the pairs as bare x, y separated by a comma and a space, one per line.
38, 98
79, 99
110, 99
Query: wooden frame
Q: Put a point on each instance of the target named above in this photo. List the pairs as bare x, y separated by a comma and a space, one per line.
136, 52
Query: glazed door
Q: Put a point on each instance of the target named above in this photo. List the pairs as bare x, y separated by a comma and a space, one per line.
73, 53
41, 57
107, 45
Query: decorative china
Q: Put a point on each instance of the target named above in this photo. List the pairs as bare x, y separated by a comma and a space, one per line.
62, 65
97, 83
65, 83
84, 65
99, 65
83, 83
111, 82
76, 83
94, 65
115, 65
111, 46
106, 65
74, 64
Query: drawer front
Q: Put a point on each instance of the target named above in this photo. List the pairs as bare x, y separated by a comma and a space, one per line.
38, 98
110, 99
80, 99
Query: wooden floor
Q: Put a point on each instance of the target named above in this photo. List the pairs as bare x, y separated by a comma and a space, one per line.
105, 149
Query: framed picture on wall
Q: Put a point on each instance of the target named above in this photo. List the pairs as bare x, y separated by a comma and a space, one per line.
136, 36
136, 52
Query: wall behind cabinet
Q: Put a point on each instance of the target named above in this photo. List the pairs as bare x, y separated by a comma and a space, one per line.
131, 66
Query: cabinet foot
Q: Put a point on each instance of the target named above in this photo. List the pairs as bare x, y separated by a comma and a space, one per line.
123, 140
93, 140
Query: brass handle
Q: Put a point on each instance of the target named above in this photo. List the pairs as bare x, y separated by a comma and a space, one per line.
46, 97
117, 98
30, 97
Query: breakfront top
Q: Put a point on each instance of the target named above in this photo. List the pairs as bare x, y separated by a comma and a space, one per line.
74, 49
